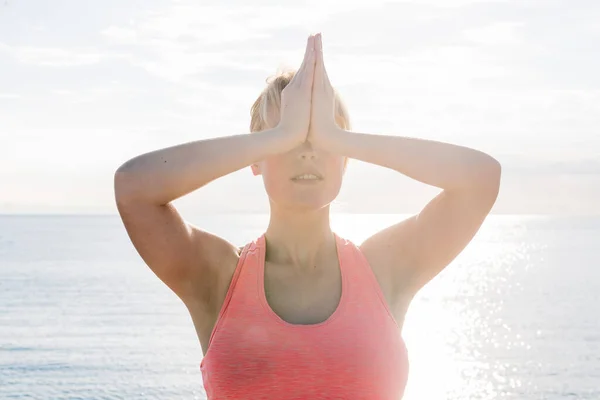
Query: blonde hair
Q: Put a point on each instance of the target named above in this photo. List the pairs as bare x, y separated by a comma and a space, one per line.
270, 99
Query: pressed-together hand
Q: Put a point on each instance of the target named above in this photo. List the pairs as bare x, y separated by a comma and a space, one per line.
322, 113
307, 101
296, 99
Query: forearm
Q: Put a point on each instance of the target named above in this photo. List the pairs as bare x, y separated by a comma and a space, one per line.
161, 176
439, 164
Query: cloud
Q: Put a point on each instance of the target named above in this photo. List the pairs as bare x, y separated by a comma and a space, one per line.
120, 35
115, 79
500, 33
451, 3
9, 96
55, 56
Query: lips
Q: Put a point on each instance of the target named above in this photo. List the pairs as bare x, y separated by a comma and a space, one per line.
307, 173
317, 174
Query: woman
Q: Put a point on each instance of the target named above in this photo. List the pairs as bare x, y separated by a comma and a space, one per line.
301, 312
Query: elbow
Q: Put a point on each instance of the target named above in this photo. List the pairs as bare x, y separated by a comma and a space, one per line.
122, 185
487, 177
494, 172
490, 179
124, 177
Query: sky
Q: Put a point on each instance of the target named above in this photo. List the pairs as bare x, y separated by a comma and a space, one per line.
85, 86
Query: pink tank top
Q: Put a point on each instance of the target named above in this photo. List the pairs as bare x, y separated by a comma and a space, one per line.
357, 353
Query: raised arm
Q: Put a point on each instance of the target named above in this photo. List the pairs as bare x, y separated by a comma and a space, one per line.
415, 250
182, 255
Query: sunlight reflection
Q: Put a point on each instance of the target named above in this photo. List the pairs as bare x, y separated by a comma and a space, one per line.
459, 343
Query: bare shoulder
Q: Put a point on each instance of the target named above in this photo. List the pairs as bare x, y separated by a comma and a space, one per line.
385, 263
212, 274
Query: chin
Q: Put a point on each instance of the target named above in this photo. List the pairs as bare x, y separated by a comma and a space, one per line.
303, 197
306, 202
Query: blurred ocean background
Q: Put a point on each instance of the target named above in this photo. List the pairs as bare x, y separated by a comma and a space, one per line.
515, 316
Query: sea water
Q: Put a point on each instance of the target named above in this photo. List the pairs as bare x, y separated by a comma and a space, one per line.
514, 316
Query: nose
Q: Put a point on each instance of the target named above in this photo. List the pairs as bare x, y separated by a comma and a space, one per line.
307, 151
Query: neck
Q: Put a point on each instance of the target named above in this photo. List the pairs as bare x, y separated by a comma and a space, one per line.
301, 240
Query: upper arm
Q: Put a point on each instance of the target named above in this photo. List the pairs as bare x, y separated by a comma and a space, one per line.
181, 255
418, 248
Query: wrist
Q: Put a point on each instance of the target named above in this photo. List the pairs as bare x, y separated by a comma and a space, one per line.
277, 141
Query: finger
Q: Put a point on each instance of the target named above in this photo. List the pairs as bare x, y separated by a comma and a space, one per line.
310, 44
309, 72
319, 67
307, 54
308, 62
323, 78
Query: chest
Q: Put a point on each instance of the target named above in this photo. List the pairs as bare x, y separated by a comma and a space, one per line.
361, 358
302, 298
312, 298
